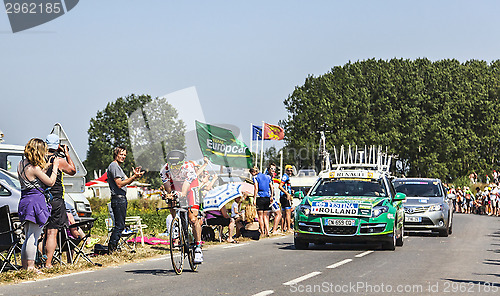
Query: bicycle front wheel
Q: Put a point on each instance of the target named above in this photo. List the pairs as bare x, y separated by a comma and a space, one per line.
191, 246
177, 250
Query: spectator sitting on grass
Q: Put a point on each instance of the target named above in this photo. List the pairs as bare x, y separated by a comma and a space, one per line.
251, 223
221, 218
236, 213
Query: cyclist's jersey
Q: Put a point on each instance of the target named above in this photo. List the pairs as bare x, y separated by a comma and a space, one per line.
285, 183
177, 174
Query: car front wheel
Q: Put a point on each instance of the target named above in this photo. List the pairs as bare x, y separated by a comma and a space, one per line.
391, 245
300, 244
399, 240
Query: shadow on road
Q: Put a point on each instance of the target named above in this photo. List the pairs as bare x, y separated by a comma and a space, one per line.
490, 274
491, 262
422, 233
159, 272
332, 247
474, 282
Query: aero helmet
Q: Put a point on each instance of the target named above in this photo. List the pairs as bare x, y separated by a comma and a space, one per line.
175, 156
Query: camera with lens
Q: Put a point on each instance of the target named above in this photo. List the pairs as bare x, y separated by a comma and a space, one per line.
61, 151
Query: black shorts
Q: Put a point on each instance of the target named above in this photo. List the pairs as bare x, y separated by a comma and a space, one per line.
219, 221
253, 234
58, 217
263, 203
285, 203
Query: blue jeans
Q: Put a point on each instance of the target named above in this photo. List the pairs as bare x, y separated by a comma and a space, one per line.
119, 207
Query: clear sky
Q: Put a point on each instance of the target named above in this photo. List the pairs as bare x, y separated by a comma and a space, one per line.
243, 57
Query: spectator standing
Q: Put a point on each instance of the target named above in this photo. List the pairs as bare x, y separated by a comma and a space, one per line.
286, 198
494, 200
33, 209
58, 217
206, 182
487, 202
118, 182
263, 191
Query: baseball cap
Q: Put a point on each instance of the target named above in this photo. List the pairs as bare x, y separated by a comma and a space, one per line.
52, 141
288, 167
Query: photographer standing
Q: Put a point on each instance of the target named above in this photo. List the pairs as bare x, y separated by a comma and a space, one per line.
58, 217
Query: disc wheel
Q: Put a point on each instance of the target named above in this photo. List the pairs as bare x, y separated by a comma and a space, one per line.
177, 249
191, 247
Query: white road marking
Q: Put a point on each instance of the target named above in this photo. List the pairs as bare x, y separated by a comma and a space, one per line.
235, 245
405, 237
163, 257
60, 276
302, 278
264, 293
279, 237
339, 263
363, 254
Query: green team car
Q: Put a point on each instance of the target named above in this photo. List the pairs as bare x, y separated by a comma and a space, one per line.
354, 202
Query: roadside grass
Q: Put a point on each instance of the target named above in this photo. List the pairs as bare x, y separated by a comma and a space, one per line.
117, 258
143, 207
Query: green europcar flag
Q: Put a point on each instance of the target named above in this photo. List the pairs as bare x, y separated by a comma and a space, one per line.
221, 147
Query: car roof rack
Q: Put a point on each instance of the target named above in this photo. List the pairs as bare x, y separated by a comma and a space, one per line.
370, 158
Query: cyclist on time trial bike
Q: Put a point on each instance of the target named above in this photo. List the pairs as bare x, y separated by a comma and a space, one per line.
181, 177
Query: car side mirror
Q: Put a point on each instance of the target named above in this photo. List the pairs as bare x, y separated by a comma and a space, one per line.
299, 194
3, 189
400, 196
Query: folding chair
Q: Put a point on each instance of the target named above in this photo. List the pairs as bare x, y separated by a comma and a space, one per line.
223, 231
133, 227
9, 240
74, 247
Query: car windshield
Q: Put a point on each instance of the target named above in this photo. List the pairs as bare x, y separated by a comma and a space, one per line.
342, 187
418, 188
10, 180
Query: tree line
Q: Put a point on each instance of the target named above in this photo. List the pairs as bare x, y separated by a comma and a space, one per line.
440, 118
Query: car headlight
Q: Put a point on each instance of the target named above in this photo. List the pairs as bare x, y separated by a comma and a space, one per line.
379, 210
434, 208
80, 207
305, 209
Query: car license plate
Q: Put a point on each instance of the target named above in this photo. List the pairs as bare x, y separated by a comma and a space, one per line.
413, 219
341, 222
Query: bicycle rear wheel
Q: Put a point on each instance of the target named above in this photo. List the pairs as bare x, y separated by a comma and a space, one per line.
177, 250
191, 246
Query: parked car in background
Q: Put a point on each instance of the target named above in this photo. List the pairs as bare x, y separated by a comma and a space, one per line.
427, 205
10, 191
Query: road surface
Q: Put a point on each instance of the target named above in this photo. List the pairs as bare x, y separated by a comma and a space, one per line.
466, 262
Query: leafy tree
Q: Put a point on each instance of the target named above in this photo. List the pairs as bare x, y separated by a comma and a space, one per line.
138, 117
438, 117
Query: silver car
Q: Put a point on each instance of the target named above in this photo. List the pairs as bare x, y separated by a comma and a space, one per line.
427, 205
10, 191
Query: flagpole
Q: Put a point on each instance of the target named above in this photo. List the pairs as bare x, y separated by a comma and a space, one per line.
251, 139
262, 147
257, 149
281, 163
